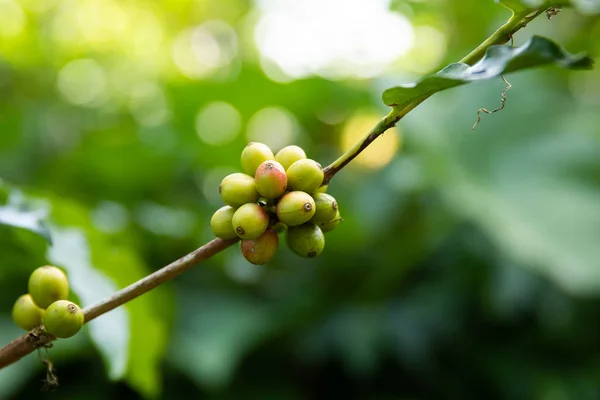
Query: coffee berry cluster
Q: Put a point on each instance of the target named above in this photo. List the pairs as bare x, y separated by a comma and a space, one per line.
274, 194
46, 304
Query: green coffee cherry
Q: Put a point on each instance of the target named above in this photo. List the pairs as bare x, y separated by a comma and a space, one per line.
305, 175
221, 223
280, 227
326, 208
289, 155
306, 240
63, 319
261, 250
295, 208
271, 179
331, 225
253, 155
237, 189
26, 314
48, 284
250, 221
322, 189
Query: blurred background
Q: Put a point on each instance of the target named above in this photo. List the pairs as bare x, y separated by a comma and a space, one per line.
467, 265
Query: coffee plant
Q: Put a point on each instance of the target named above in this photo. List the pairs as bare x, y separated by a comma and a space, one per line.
278, 195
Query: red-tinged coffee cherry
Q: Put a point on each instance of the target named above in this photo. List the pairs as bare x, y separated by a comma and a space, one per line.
48, 284
326, 206
26, 314
63, 319
253, 155
295, 208
271, 179
221, 223
250, 221
261, 250
289, 155
237, 189
306, 240
305, 175
331, 225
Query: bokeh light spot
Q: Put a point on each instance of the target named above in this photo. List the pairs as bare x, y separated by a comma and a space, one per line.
82, 82
148, 104
380, 152
218, 123
428, 51
12, 18
331, 38
210, 182
274, 126
199, 52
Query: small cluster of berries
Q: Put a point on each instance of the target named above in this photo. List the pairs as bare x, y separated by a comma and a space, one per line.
275, 194
46, 304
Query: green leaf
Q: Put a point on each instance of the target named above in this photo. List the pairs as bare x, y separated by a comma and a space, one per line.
110, 333
132, 338
215, 333
498, 60
528, 180
18, 214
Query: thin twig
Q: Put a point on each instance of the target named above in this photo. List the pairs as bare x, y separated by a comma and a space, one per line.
502, 103
28, 342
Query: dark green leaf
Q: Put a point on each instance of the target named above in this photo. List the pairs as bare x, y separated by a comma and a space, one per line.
497, 60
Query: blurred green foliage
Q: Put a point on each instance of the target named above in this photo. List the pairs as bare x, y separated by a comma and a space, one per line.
467, 265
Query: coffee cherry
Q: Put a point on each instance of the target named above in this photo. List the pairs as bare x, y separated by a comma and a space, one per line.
326, 208
250, 221
322, 189
237, 189
295, 208
289, 155
306, 240
48, 284
63, 319
253, 155
280, 227
262, 249
305, 175
221, 223
271, 179
26, 314
331, 225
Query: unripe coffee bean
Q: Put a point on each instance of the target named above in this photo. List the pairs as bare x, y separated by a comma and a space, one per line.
306, 240
253, 155
262, 249
48, 284
305, 175
26, 314
271, 179
322, 189
250, 221
221, 223
331, 225
237, 189
295, 208
326, 208
289, 155
63, 319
